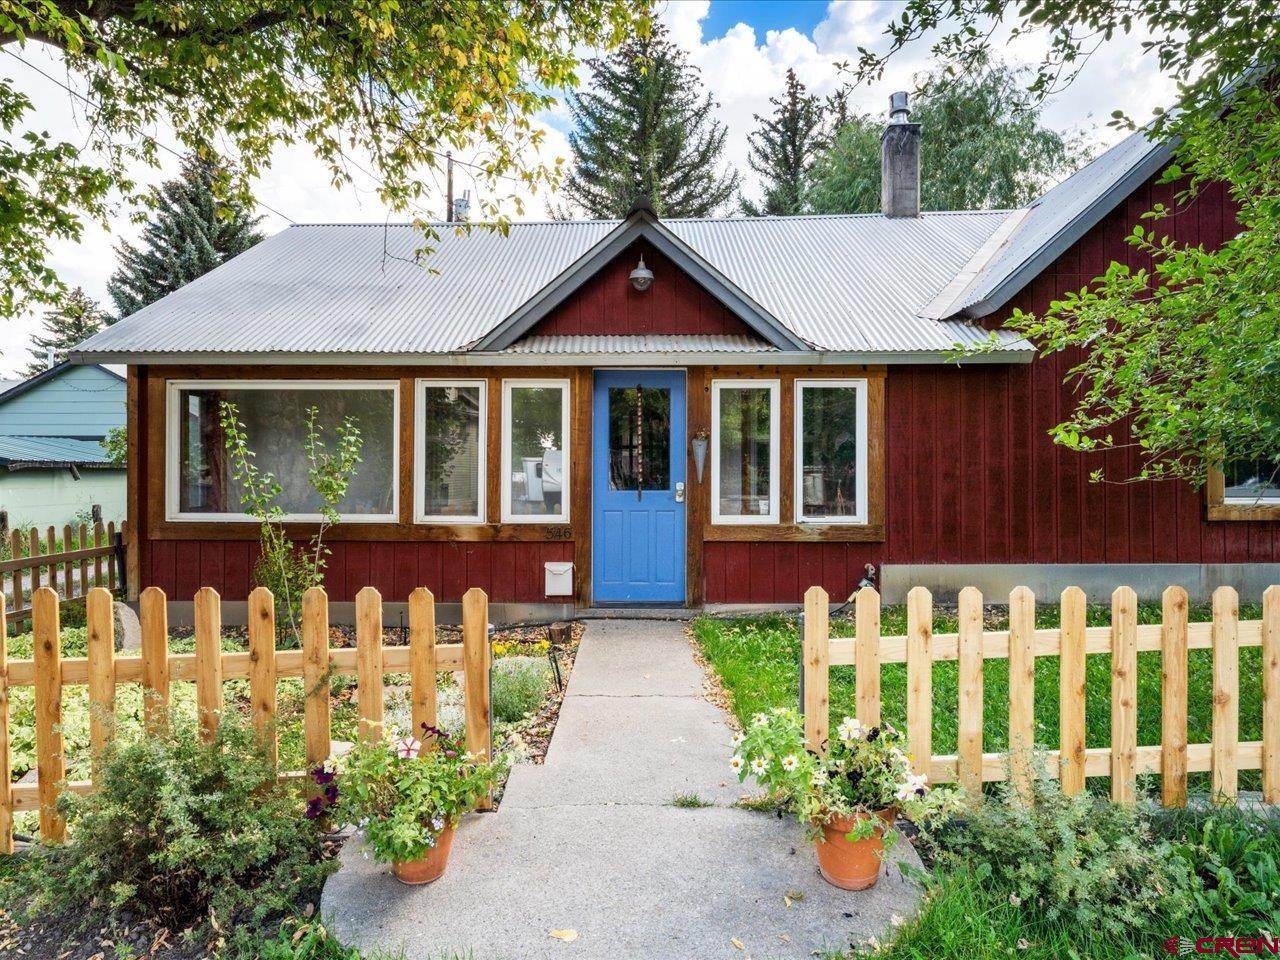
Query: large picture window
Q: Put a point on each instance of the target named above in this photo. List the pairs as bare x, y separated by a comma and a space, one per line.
744, 451
449, 440
1251, 482
201, 484
535, 445
831, 451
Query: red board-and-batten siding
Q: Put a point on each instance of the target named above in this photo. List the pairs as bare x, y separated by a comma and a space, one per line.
972, 476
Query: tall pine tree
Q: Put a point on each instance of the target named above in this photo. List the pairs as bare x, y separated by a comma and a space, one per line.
783, 148
73, 320
191, 231
646, 129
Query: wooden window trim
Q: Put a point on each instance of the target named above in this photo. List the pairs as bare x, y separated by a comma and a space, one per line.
1219, 508
420, 516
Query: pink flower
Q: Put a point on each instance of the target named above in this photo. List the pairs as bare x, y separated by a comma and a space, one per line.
408, 748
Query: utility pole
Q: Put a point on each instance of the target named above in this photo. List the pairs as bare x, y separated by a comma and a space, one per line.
448, 210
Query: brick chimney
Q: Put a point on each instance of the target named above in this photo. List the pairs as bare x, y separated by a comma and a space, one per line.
900, 161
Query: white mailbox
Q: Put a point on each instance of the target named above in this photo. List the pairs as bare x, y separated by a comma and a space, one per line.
559, 579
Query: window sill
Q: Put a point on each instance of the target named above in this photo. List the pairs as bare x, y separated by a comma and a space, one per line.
796, 533
1241, 511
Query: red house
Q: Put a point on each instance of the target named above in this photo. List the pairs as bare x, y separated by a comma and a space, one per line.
681, 412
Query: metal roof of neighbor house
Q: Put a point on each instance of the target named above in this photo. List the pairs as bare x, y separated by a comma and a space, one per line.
52, 451
562, 344
1058, 219
840, 283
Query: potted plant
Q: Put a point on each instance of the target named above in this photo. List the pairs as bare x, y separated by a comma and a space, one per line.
406, 798
849, 799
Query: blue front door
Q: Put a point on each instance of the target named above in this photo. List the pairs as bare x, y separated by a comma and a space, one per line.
637, 484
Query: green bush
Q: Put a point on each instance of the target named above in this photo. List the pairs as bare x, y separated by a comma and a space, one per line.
1081, 861
520, 684
183, 831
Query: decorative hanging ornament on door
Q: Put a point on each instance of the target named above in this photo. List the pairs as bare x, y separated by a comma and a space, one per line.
639, 471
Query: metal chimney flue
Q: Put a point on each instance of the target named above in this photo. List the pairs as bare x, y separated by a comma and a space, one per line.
900, 161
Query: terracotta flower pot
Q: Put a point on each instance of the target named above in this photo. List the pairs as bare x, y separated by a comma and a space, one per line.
428, 868
852, 864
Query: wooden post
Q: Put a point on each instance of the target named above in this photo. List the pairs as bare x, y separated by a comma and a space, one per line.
816, 666
1071, 691
476, 664
153, 617
6, 770
316, 718
369, 662
422, 659
1124, 695
51, 766
208, 617
867, 657
262, 667
1022, 690
100, 620
1271, 695
1226, 693
969, 720
920, 679
1173, 698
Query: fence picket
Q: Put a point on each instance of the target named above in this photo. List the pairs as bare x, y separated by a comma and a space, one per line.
1271, 695
100, 621
68, 571
1226, 693
153, 617
33, 551
422, 657
369, 661
1022, 689
1071, 691
1124, 695
111, 561
316, 720
1173, 698
477, 660
262, 667
82, 542
969, 719
817, 685
208, 622
6, 770
920, 679
867, 653
51, 767
97, 561
51, 539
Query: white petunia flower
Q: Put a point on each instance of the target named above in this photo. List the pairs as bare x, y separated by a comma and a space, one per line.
819, 777
759, 720
850, 729
790, 763
736, 762
758, 765
407, 747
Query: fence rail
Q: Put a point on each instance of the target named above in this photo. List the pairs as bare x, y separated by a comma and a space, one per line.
156, 669
1071, 642
91, 556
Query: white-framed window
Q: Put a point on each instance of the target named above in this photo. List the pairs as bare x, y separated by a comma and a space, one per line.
1248, 483
200, 481
831, 451
535, 451
745, 439
449, 444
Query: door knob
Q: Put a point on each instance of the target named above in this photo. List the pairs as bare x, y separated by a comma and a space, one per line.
680, 492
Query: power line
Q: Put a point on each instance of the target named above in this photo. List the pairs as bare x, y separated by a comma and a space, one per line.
147, 136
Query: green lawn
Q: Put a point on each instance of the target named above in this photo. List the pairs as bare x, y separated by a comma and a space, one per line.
758, 661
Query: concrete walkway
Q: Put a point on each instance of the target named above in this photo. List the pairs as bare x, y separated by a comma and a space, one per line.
589, 841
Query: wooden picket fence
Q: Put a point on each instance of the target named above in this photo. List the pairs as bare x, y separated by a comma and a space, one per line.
88, 559
1072, 641
156, 669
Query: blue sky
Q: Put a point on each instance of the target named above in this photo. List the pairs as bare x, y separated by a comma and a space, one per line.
802, 15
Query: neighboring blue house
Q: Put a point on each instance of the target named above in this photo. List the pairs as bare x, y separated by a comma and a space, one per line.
53, 468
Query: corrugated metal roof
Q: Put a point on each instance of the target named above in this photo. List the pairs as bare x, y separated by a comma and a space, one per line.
37, 450
1058, 219
842, 283
647, 343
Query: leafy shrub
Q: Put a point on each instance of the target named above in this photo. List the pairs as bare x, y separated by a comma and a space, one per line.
1235, 858
180, 830
520, 684
1078, 860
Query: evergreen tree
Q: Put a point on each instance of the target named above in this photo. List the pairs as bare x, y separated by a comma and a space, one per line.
73, 320
192, 230
646, 129
783, 148
982, 148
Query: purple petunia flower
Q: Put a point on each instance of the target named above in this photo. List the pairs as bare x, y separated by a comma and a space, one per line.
315, 807
322, 776
331, 794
